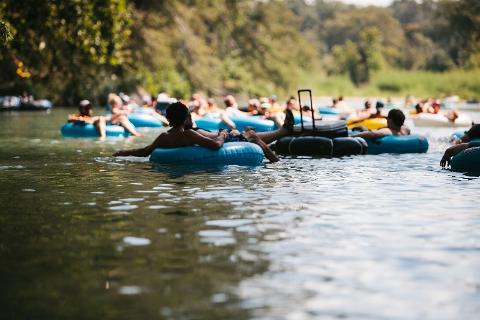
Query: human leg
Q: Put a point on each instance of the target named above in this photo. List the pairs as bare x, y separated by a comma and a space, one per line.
286, 129
124, 122
100, 124
252, 137
228, 121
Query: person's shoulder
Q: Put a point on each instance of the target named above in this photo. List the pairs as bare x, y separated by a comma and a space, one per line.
191, 134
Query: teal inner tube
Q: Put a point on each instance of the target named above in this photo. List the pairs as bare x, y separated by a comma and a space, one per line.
468, 160
86, 130
209, 123
259, 125
297, 119
398, 144
231, 153
327, 110
215, 123
142, 120
458, 134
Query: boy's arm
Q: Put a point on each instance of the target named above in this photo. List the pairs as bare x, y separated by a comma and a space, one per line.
209, 134
141, 152
373, 134
211, 143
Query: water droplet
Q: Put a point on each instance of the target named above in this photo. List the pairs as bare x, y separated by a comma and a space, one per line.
136, 241
124, 207
129, 290
228, 223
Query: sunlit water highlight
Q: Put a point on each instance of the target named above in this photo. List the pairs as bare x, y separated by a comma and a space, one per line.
85, 235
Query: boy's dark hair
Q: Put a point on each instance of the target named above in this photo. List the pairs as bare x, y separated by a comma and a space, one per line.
397, 117
177, 113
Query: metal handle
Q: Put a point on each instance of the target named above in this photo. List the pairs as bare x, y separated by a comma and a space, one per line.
301, 107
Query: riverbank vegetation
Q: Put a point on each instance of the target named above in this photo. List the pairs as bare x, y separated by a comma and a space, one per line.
69, 50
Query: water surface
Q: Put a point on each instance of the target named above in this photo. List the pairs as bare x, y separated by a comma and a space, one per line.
85, 235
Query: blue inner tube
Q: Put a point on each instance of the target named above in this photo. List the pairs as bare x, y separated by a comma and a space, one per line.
260, 125
467, 161
398, 144
144, 120
306, 119
209, 123
231, 153
214, 123
86, 130
327, 110
458, 134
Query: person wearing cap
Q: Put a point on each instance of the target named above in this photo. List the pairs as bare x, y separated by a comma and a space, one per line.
265, 107
253, 106
85, 116
275, 107
267, 112
395, 127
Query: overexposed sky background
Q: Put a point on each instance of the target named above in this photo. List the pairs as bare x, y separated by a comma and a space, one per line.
368, 2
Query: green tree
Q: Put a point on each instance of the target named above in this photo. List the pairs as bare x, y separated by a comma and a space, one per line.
5, 33
462, 30
63, 49
360, 59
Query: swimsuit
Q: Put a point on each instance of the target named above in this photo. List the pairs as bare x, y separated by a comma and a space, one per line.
232, 138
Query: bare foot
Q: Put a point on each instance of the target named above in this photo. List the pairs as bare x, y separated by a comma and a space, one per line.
253, 138
289, 121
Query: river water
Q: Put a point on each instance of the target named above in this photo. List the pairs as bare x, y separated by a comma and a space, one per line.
86, 236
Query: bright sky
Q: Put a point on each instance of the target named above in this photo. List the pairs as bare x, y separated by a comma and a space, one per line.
368, 2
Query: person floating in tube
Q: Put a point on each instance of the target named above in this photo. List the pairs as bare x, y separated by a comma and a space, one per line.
395, 127
462, 143
85, 116
183, 135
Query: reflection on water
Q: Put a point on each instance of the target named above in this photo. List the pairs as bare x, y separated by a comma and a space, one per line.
84, 235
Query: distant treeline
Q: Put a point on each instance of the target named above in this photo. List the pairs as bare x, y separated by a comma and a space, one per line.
67, 50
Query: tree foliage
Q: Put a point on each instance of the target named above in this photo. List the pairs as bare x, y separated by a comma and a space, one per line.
74, 49
63, 49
